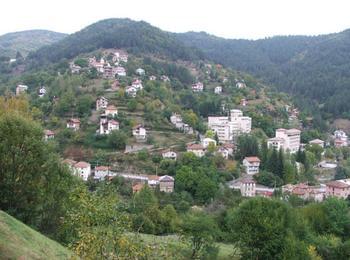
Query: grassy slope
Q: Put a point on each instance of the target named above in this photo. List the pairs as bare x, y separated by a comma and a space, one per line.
20, 241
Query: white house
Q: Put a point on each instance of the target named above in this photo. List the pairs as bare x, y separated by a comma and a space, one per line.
83, 170
197, 149
218, 90
101, 103
131, 91
226, 150
251, 165
287, 139
21, 89
42, 91
73, 123
139, 132
248, 187
48, 134
101, 172
165, 78
169, 154
120, 71
240, 85
140, 71
207, 141
166, 183
341, 135
107, 126
111, 110
137, 83
317, 142
152, 78
197, 87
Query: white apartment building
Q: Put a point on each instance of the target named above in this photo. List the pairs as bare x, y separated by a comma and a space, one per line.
226, 127
286, 139
251, 165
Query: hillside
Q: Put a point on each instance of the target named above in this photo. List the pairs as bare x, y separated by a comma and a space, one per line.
134, 36
27, 41
20, 241
313, 67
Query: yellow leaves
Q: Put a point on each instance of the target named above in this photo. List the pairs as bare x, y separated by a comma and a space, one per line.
313, 253
10, 105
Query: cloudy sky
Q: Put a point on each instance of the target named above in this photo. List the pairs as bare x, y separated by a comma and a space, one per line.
249, 19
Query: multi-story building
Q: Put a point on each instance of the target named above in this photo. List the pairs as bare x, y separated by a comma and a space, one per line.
286, 139
251, 165
197, 149
227, 127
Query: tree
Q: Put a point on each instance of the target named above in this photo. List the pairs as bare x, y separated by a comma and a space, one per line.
263, 228
34, 185
95, 229
199, 230
117, 139
247, 146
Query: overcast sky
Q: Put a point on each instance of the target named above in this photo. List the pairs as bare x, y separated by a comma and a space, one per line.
249, 19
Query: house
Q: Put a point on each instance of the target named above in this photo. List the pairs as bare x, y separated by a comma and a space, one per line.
306, 192
139, 132
176, 120
73, 123
120, 71
140, 71
107, 125
197, 87
21, 89
339, 188
131, 91
207, 141
83, 170
240, 85
137, 83
101, 172
251, 165
152, 78
111, 110
48, 134
340, 135
226, 150
74, 69
226, 127
115, 85
153, 181
243, 102
286, 139
218, 90
248, 187
317, 142
340, 143
101, 103
169, 154
165, 78
166, 183
42, 92
197, 149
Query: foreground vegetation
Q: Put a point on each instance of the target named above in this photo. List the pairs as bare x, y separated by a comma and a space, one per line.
19, 241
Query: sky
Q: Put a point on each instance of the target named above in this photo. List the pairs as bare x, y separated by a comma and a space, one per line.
248, 19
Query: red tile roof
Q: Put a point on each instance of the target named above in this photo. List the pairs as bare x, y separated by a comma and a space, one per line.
195, 147
82, 165
101, 168
252, 159
337, 184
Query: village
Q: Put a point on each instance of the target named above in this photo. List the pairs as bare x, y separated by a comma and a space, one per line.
222, 140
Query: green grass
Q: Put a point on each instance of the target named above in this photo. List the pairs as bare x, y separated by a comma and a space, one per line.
174, 242
18, 241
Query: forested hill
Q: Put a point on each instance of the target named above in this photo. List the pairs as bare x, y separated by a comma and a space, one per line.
27, 41
133, 36
314, 67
